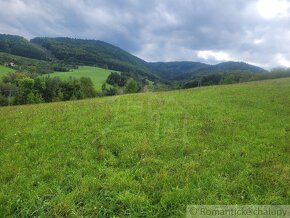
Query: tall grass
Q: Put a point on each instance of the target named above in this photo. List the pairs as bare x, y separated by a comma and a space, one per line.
147, 155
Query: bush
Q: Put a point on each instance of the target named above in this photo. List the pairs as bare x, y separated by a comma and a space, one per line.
132, 87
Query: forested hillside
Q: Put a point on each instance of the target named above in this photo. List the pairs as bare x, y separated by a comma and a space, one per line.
65, 53
20, 46
189, 70
30, 65
171, 70
74, 52
92, 52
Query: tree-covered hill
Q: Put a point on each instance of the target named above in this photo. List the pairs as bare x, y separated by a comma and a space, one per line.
68, 51
95, 53
44, 55
91, 52
33, 66
20, 46
231, 66
171, 70
189, 70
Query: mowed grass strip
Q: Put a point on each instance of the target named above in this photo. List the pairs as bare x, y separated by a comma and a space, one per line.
147, 155
97, 75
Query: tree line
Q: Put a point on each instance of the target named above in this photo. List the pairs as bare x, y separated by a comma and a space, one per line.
30, 88
25, 88
233, 77
22, 88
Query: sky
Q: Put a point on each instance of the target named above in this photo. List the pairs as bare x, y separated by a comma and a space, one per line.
209, 31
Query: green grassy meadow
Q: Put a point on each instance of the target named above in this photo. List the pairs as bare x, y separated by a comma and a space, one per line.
98, 75
149, 154
5, 70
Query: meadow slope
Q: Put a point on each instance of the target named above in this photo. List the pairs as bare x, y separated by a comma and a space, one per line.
147, 154
97, 75
5, 70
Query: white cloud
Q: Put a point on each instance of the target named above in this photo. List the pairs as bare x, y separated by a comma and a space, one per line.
217, 55
283, 61
254, 31
270, 9
258, 41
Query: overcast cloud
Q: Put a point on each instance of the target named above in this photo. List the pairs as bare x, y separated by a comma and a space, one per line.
211, 31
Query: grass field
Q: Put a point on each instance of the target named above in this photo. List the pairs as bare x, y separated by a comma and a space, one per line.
5, 70
147, 155
98, 75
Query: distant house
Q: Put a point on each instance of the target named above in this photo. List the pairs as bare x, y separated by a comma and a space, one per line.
11, 64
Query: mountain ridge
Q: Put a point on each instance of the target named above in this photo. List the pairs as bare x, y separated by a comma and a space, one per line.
179, 70
102, 54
